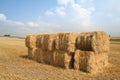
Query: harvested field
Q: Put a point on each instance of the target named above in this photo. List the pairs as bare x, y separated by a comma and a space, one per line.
92, 50
14, 65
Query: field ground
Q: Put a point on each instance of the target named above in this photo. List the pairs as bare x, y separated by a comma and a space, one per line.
14, 65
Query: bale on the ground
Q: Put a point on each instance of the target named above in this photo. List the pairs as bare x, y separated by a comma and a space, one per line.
30, 41
44, 56
90, 62
85, 51
48, 57
63, 59
39, 55
56, 58
31, 53
93, 41
66, 41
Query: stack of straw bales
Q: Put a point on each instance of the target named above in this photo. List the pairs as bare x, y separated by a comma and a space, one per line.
65, 45
54, 49
45, 46
92, 51
86, 51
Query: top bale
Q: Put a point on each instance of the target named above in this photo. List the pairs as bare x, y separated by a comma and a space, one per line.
66, 41
39, 40
100, 42
93, 41
49, 42
46, 41
30, 41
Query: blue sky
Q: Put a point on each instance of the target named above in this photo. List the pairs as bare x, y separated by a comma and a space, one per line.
22, 17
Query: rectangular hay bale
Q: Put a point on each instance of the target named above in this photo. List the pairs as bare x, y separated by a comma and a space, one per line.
46, 41
30, 41
31, 53
44, 56
63, 59
38, 55
39, 41
66, 41
93, 41
48, 57
90, 62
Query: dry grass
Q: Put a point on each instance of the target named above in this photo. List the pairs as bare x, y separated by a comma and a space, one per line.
14, 65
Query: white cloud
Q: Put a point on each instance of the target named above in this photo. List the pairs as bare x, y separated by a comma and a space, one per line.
86, 23
67, 16
80, 11
65, 2
72, 12
2, 17
18, 28
32, 24
84, 1
60, 11
49, 13
91, 9
91, 0
15, 23
82, 15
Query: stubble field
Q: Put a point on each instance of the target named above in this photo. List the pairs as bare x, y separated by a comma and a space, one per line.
14, 65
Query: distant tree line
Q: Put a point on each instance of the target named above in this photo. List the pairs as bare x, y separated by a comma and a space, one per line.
7, 35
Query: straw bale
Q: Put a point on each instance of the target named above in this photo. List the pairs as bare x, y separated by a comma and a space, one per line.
39, 41
90, 62
47, 41
30, 41
51, 42
93, 41
84, 41
96, 62
39, 55
48, 57
81, 59
31, 52
63, 59
44, 56
66, 41
100, 42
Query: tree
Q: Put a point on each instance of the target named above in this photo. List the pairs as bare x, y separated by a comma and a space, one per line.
6, 35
